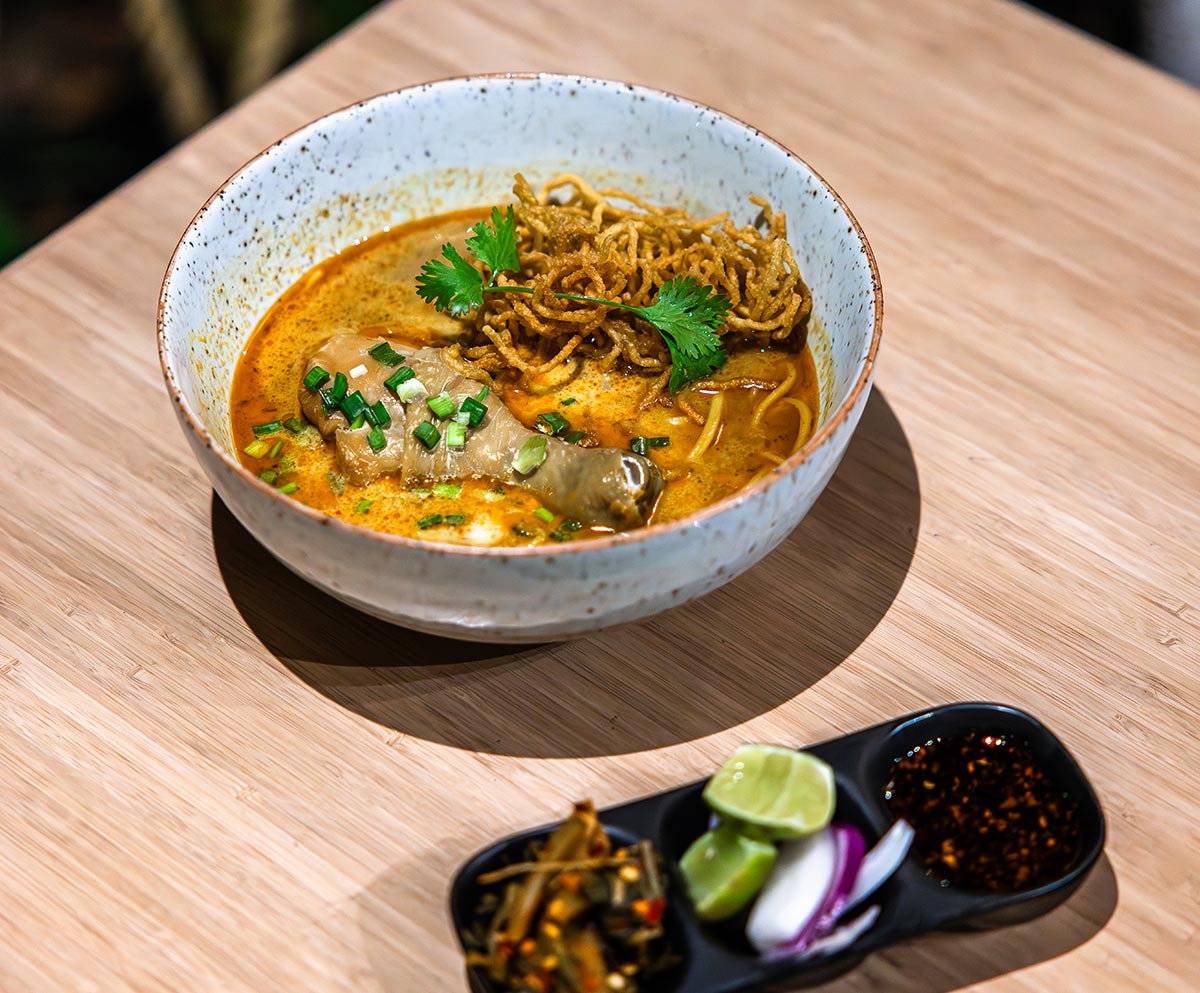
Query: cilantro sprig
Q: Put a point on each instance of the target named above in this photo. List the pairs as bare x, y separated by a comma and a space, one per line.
686, 313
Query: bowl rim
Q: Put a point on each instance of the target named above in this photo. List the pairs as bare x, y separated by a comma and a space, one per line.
621, 538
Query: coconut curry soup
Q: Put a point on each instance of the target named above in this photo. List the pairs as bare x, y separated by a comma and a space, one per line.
576, 364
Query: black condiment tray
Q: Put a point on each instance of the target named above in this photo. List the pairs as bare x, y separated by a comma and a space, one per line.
718, 959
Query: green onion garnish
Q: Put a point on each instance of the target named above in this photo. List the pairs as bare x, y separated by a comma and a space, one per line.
566, 401
520, 532
401, 375
474, 410
456, 435
353, 405
376, 439
363, 506
328, 403
268, 476
381, 415
289, 487
442, 405
421, 491
454, 518
275, 449
482, 394
639, 445
339, 387
450, 491
294, 424
257, 448
412, 391
569, 525
575, 437
261, 430
427, 435
531, 455
359, 421
552, 422
316, 378
558, 534
542, 514
432, 521
384, 353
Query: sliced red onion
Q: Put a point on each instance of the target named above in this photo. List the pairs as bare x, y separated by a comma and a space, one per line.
842, 938
806, 891
881, 861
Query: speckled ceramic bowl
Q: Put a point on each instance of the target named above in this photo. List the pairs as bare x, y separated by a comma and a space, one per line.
455, 144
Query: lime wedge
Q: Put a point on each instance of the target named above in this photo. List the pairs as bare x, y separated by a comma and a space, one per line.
777, 793
723, 870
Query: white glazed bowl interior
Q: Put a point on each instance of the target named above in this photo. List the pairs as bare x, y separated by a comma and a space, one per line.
457, 143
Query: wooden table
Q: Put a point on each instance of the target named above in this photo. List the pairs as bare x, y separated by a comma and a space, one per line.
216, 779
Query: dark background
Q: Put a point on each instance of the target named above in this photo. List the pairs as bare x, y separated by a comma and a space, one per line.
91, 91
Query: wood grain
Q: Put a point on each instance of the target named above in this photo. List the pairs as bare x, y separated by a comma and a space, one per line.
217, 779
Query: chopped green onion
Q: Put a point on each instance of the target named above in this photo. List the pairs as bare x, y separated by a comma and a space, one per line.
531, 455
449, 490
542, 514
411, 391
569, 525
261, 430
422, 492
474, 410
575, 437
380, 414
268, 476
339, 387
376, 439
354, 404
559, 535
401, 375
482, 394
384, 353
275, 449
520, 532
566, 401
456, 435
359, 421
442, 405
554, 423
455, 518
257, 448
336, 483
427, 435
294, 424
432, 521
328, 403
363, 506
316, 378
289, 487
639, 445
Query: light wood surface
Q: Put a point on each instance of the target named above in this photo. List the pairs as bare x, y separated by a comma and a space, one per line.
216, 779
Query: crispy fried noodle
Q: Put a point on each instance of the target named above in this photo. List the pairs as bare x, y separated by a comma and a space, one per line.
608, 243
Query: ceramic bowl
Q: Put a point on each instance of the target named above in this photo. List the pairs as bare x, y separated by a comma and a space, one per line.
456, 143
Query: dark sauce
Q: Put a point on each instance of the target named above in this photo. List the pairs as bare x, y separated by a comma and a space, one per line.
987, 816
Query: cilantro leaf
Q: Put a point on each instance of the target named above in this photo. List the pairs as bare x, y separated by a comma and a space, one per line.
687, 316
457, 287
496, 246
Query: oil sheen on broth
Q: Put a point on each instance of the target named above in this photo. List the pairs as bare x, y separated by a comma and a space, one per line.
369, 289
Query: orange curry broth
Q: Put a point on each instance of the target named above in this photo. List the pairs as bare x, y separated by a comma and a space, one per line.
370, 288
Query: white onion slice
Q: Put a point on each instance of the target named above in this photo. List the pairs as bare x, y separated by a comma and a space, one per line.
358, 370
841, 938
881, 861
794, 891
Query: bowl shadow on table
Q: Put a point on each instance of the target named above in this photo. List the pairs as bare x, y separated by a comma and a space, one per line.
936, 963
686, 674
